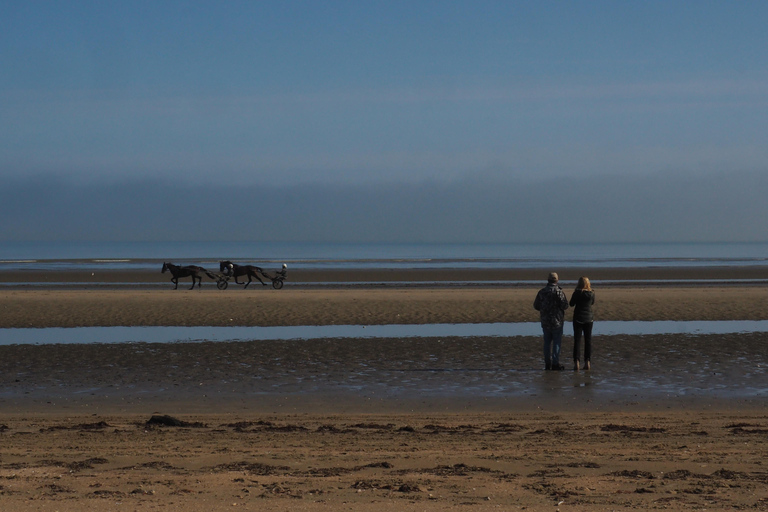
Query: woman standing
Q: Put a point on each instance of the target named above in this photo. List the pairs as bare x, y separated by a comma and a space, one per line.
582, 300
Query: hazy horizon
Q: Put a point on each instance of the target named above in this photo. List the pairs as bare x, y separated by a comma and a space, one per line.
728, 207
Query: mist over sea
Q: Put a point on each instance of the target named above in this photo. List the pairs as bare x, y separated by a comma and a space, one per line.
140, 255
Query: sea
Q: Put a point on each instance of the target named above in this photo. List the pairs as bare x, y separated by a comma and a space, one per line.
68, 255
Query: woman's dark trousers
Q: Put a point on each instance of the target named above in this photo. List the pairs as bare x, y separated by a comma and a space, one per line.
580, 329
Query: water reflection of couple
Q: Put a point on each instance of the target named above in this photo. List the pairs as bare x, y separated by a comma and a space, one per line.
551, 304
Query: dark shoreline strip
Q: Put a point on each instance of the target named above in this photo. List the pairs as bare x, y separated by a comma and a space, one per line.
742, 275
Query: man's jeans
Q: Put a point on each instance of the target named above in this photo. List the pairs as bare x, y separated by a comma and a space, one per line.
553, 338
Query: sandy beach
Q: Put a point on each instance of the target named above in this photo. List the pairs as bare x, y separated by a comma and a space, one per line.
385, 424
373, 297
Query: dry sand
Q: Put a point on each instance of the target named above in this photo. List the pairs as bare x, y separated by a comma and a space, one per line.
411, 462
360, 306
73, 419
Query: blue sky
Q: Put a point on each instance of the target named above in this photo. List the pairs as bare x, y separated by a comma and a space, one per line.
366, 94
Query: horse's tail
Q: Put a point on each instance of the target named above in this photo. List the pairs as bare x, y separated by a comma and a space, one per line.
215, 278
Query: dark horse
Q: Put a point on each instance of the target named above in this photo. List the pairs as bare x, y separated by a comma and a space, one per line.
235, 270
187, 271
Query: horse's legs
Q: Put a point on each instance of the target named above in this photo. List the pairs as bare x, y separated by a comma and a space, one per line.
249, 281
256, 275
175, 280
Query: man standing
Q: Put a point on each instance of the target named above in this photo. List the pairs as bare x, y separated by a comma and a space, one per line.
551, 304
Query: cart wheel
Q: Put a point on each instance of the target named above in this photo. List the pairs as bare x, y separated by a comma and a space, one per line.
222, 284
277, 284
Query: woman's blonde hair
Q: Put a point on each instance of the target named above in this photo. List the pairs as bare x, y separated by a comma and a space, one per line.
584, 284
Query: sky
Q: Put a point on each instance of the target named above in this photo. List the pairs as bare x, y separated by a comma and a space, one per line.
435, 121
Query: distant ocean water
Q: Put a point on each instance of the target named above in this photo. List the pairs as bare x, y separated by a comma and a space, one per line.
140, 255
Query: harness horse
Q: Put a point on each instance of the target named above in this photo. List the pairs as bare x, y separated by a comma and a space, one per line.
186, 271
235, 270
229, 270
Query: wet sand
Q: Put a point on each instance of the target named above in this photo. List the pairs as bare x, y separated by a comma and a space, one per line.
370, 375
671, 421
